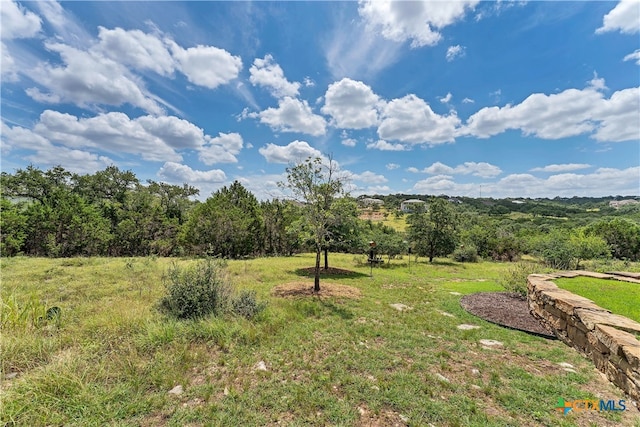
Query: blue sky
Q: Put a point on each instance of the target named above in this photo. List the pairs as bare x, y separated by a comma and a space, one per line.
502, 99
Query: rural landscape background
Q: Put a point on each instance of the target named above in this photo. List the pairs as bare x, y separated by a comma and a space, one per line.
267, 213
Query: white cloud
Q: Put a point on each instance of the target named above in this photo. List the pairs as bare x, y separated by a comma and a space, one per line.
568, 113
17, 22
9, 69
206, 66
87, 79
468, 101
567, 167
292, 115
351, 104
355, 51
635, 56
445, 99
349, 142
308, 82
368, 177
454, 52
392, 166
136, 49
45, 153
413, 169
385, 146
222, 149
152, 138
625, 17
176, 172
480, 169
67, 28
293, 152
416, 21
602, 182
265, 72
410, 119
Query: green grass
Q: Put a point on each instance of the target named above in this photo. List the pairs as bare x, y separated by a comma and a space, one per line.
619, 297
113, 357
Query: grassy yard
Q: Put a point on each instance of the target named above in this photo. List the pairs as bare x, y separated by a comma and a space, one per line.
113, 358
622, 298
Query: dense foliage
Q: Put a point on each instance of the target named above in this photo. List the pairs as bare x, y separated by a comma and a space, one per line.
56, 213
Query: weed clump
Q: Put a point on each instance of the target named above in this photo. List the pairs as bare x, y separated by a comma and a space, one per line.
515, 278
205, 289
465, 254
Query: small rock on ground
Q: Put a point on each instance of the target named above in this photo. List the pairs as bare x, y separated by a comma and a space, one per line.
455, 293
465, 327
260, 366
177, 390
442, 378
491, 343
565, 365
444, 313
400, 307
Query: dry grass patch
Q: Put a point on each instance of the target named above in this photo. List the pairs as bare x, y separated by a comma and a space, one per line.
303, 289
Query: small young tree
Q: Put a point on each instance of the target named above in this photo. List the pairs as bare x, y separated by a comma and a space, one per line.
434, 232
317, 185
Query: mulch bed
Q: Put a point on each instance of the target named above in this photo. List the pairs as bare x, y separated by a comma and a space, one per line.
505, 309
305, 289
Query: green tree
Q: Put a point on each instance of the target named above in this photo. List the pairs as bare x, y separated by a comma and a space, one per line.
280, 236
227, 224
622, 236
13, 223
317, 186
433, 233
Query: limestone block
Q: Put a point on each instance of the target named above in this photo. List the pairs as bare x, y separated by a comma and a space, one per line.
616, 339
568, 302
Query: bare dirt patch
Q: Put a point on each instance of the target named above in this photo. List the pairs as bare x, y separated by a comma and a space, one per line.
303, 289
505, 309
331, 271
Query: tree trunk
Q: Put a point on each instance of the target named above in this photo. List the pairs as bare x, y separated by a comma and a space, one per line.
316, 279
326, 258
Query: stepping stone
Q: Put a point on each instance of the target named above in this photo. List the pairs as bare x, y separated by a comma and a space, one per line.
442, 378
400, 307
455, 293
465, 327
570, 370
444, 313
177, 390
475, 372
491, 343
260, 366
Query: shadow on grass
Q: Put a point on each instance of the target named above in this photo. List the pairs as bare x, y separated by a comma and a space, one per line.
331, 273
319, 307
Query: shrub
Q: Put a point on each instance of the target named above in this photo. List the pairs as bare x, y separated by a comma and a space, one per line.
197, 291
465, 254
246, 305
515, 279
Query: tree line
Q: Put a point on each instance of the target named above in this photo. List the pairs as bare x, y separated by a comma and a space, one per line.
57, 213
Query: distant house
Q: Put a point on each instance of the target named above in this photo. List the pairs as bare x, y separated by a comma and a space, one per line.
617, 203
368, 201
412, 205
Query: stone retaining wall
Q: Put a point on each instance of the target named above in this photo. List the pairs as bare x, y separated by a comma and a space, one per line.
609, 340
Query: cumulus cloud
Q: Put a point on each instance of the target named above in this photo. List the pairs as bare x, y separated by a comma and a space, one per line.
635, 56
206, 66
222, 149
602, 182
9, 69
293, 152
566, 167
176, 172
17, 22
468, 101
351, 104
152, 138
385, 146
292, 115
349, 142
454, 52
625, 17
368, 177
480, 169
445, 99
418, 21
137, 49
411, 120
87, 79
43, 152
265, 72
392, 166
568, 113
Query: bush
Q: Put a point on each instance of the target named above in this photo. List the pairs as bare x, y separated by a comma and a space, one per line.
515, 279
246, 304
465, 254
197, 291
